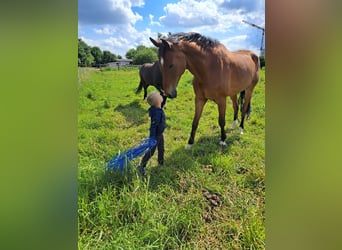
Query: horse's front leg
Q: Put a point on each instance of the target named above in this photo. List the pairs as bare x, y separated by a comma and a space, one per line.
145, 92
222, 119
199, 104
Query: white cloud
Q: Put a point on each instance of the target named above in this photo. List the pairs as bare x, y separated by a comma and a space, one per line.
113, 23
152, 22
242, 5
211, 16
232, 43
137, 3
190, 13
104, 31
239, 42
108, 11
121, 38
220, 19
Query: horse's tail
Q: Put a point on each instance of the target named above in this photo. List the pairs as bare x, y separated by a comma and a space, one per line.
141, 84
256, 61
140, 87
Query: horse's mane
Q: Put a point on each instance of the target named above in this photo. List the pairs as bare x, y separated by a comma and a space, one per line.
200, 40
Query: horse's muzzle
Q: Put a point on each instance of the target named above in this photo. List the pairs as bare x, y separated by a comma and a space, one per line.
172, 94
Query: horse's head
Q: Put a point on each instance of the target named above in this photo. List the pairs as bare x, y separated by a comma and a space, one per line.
172, 65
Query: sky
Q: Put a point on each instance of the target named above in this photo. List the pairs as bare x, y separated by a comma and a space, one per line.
120, 25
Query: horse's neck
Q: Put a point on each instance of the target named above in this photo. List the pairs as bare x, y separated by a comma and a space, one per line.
194, 59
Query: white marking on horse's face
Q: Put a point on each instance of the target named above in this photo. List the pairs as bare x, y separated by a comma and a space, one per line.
162, 61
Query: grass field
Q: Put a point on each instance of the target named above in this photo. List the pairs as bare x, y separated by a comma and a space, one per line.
205, 198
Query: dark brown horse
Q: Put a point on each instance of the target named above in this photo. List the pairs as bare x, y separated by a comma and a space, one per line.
149, 75
218, 73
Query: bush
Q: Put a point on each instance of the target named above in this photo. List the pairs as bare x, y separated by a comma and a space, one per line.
144, 56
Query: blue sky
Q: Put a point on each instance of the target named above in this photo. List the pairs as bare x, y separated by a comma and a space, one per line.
119, 25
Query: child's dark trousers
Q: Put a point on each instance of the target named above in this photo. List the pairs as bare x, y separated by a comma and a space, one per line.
149, 154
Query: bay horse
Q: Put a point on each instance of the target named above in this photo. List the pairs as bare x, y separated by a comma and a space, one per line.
217, 72
149, 75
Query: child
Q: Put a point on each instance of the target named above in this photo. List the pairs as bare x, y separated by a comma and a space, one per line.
157, 127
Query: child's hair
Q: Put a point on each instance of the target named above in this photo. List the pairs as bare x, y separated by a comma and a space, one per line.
152, 98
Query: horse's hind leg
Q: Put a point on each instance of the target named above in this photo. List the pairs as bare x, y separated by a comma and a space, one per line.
222, 119
249, 110
245, 109
199, 104
236, 110
241, 102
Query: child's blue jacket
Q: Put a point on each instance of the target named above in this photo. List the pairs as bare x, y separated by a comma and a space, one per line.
157, 121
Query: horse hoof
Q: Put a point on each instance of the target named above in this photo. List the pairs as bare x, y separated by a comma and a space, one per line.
188, 146
240, 131
234, 124
223, 143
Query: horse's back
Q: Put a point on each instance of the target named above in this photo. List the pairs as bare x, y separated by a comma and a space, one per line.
241, 71
151, 74
144, 71
248, 59
255, 66
249, 55
145, 68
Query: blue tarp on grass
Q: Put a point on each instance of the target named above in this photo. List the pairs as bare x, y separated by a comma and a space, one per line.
118, 162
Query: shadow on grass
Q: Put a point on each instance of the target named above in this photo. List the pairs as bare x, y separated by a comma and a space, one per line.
133, 112
182, 160
210, 145
178, 162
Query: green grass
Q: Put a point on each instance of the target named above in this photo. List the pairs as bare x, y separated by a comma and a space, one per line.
169, 210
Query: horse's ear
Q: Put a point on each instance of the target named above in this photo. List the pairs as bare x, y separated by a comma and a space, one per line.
156, 43
166, 43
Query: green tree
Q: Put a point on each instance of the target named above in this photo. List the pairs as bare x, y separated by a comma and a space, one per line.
89, 61
141, 47
144, 55
97, 54
155, 49
131, 53
108, 57
85, 58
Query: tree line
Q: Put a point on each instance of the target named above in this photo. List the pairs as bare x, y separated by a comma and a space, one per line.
94, 57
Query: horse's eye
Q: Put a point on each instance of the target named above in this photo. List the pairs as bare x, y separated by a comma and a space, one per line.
170, 66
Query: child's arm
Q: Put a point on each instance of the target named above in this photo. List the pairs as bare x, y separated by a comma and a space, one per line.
153, 127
